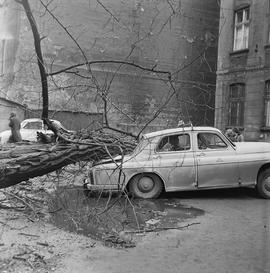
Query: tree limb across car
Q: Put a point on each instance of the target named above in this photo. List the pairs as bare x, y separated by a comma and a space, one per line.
19, 162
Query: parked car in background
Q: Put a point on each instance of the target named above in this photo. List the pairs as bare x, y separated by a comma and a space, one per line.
29, 129
188, 158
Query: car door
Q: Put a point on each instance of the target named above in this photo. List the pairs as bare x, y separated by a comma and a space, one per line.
217, 164
174, 161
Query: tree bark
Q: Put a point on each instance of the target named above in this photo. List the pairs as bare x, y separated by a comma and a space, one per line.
21, 162
41, 66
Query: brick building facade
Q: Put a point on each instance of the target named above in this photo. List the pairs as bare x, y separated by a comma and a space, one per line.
243, 75
180, 37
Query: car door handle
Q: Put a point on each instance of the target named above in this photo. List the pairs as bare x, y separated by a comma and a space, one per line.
201, 154
219, 160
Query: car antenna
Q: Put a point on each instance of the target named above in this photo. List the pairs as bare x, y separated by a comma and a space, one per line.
181, 123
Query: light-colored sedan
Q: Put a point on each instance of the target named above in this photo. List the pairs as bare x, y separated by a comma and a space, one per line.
29, 129
188, 158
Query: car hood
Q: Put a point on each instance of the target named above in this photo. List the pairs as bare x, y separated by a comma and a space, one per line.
249, 147
114, 159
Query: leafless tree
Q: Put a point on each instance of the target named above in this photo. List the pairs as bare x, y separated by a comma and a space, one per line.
91, 146
87, 80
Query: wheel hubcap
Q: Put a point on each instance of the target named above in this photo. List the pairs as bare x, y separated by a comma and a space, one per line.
145, 184
266, 184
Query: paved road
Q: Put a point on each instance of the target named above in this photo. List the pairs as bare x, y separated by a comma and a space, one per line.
233, 237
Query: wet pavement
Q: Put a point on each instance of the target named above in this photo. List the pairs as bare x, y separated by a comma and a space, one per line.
71, 209
232, 235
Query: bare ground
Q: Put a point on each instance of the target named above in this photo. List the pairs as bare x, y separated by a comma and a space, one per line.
232, 236
28, 246
29, 242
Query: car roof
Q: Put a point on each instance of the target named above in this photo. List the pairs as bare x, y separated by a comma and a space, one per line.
179, 130
32, 119
37, 119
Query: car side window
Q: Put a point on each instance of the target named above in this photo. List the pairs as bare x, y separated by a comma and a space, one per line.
210, 141
180, 142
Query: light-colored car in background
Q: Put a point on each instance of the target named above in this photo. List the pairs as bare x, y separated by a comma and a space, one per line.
29, 129
180, 159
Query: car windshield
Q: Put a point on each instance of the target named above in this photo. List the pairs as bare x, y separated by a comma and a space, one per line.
32, 125
38, 124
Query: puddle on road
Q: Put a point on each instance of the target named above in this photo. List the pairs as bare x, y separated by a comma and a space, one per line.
95, 217
164, 213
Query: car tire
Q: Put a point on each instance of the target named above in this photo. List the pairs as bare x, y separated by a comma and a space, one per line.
146, 186
263, 184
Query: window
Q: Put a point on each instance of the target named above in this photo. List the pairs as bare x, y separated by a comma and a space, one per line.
210, 141
33, 125
2, 58
4, 33
236, 104
268, 22
174, 143
241, 29
267, 104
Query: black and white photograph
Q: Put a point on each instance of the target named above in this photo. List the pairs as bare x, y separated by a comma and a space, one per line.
134, 136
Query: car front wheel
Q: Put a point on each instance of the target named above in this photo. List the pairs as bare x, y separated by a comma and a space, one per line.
263, 184
146, 186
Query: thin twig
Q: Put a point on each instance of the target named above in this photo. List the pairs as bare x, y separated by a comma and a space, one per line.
161, 228
24, 202
27, 234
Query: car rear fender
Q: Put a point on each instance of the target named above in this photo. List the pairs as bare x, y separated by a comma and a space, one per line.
262, 168
146, 172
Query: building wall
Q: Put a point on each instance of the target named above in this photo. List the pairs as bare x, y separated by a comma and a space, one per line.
250, 66
71, 120
180, 37
9, 41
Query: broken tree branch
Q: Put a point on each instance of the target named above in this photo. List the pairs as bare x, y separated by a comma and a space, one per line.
40, 159
152, 69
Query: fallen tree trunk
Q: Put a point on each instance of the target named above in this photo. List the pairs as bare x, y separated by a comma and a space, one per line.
21, 162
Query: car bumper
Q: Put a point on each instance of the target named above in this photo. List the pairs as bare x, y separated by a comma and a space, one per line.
102, 188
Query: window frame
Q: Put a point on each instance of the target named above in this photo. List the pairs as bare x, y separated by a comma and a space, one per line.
3, 53
268, 30
239, 102
267, 103
241, 29
208, 148
158, 149
31, 123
